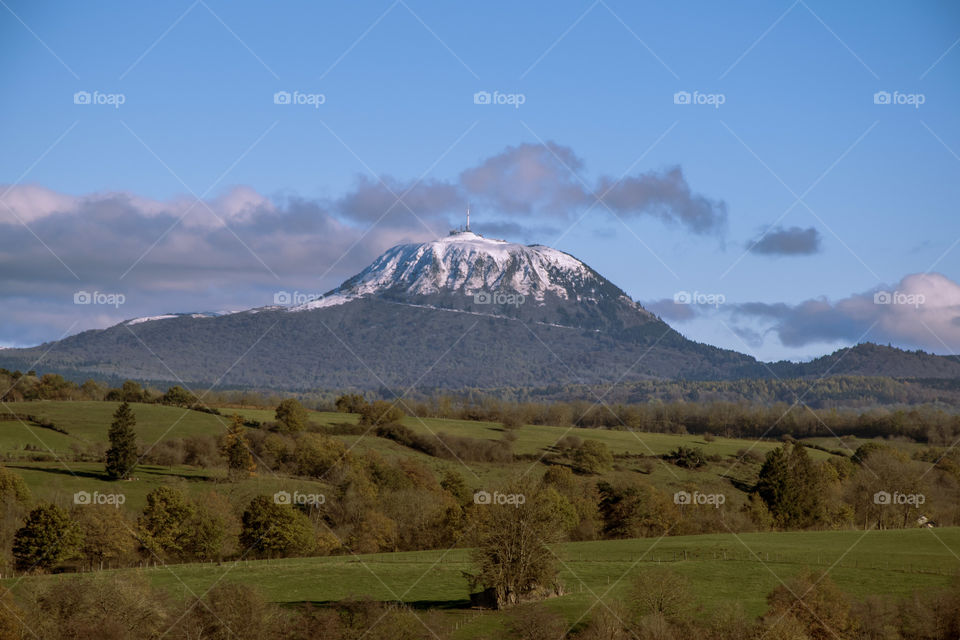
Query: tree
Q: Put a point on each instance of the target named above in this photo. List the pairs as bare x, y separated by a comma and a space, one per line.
790, 485
634, 510
178, 397
661, 592
12, 488
122, 454
380, 413
236, 451
454, 484
815, 601
592, 457
130, 391
511, 538
291, 416
316, 454
107, 536
14, 502
230, 611
165, 523
275, 530
214, 527
48, 537
350, 403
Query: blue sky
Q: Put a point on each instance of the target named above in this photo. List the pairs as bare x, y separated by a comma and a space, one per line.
877, 183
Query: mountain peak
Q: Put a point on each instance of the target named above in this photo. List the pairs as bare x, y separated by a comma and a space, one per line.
451, 269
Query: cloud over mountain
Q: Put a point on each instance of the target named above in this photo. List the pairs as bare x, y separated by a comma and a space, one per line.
793, 241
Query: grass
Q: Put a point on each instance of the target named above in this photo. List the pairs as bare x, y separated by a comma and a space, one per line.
88, 421
722, 569
57, 482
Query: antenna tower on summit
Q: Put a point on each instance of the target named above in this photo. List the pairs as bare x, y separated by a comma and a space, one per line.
468, 218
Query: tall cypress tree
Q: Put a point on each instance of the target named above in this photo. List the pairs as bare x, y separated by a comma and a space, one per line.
122, 454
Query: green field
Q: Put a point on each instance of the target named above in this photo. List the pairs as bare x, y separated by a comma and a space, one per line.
87, 422
43, 456
721, 568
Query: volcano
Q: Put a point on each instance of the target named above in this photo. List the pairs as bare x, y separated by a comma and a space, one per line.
460, 312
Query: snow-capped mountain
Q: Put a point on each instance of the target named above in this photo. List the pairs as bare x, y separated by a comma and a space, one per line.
466, 262
468, 272
459, 312
463, 310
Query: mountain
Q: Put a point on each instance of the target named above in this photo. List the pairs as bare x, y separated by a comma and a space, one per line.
460, 312
468, 272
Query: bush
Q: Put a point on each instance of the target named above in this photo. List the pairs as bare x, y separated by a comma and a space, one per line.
591, 457
381, 412
687, 457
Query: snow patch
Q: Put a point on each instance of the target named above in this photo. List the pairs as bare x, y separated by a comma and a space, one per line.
150, 319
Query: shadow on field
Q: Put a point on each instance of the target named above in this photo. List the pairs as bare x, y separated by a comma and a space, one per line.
96, 475
445, 605
67, 472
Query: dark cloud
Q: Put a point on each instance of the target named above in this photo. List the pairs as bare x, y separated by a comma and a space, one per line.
922, 311
667, 196
541, 180
794, 241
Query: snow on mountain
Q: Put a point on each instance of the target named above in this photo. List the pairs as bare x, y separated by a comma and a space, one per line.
167, 316
466, 263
